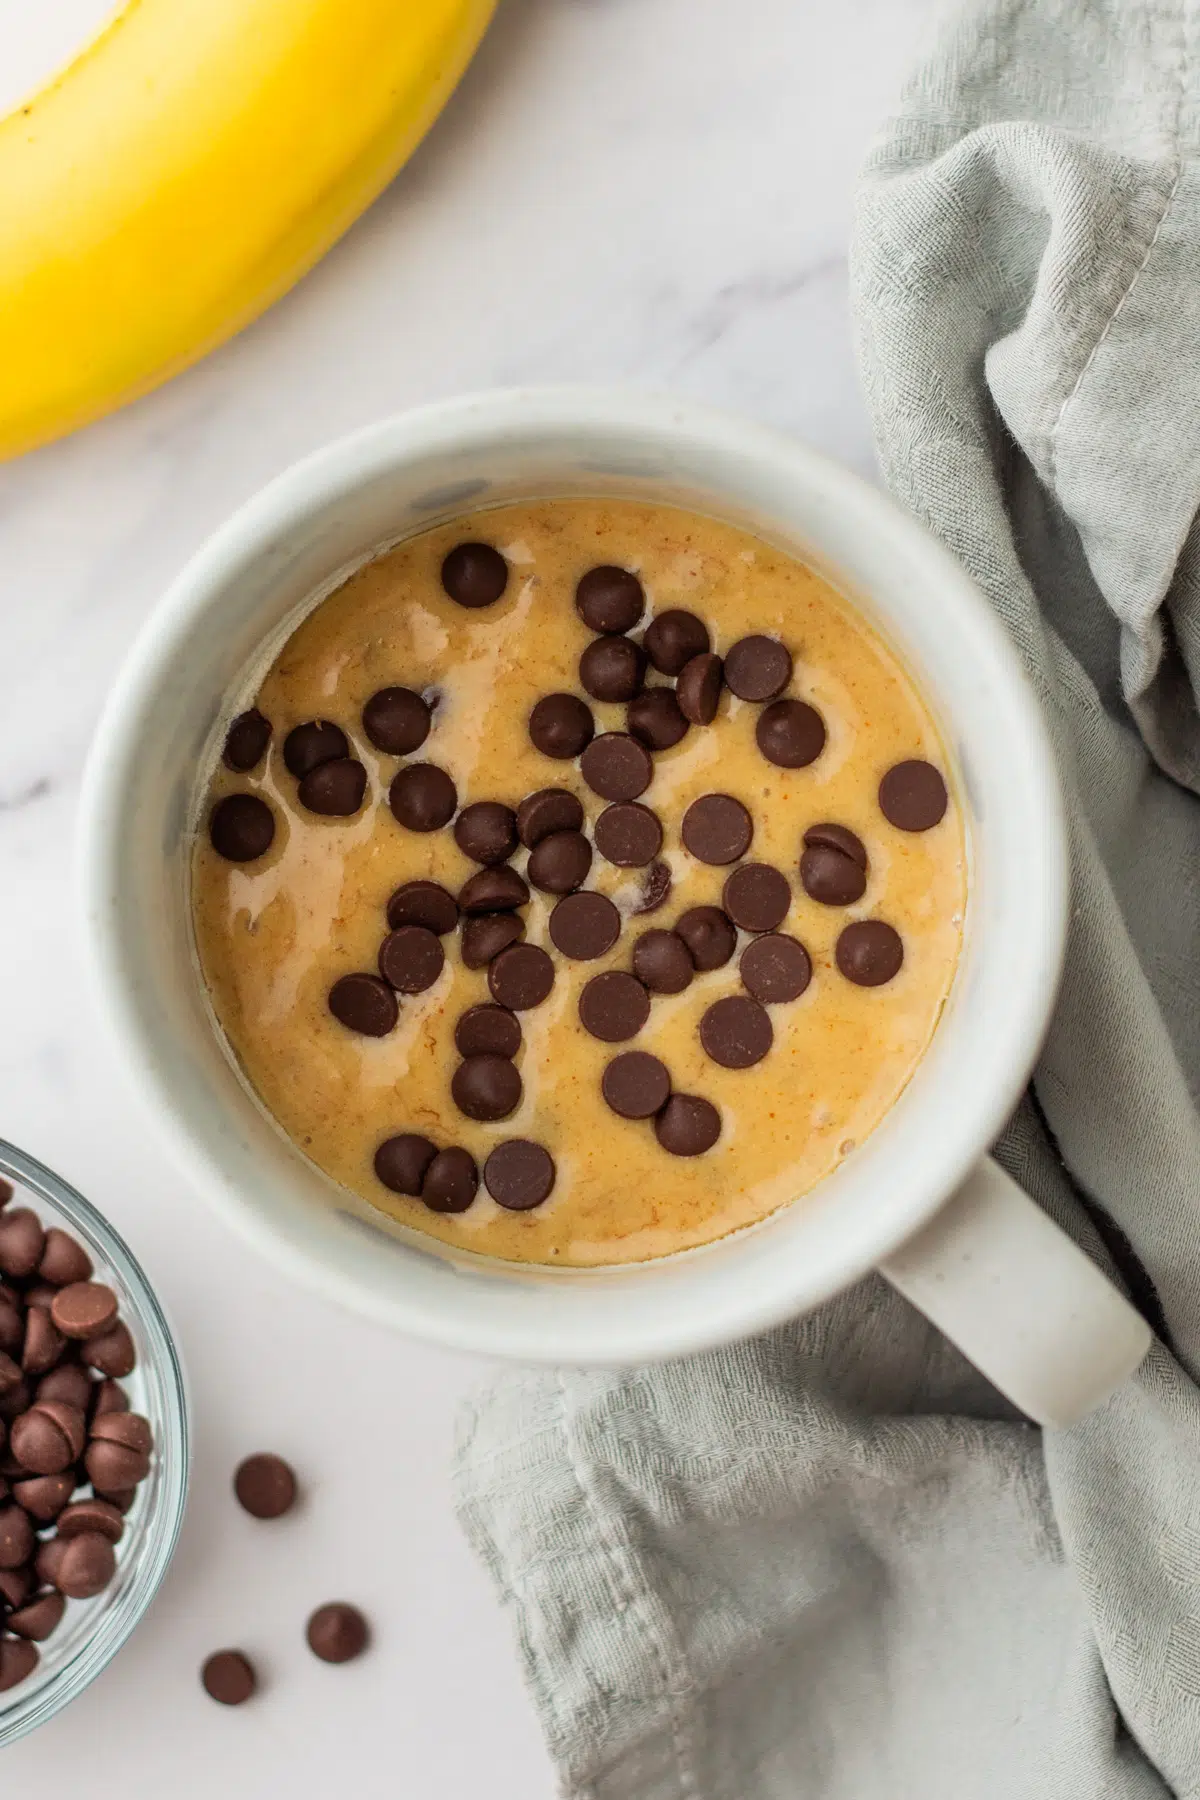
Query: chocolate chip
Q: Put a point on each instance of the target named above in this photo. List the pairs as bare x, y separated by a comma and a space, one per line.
47, 1560
560, 863
775, 968
12, 1328
521, 977
628, 834
246, 741
43, 1343
6, 1191
84, 1309
474, 574
687, 1125
114, 1466
561, 726
423, 903
656, 719
663, 962
365, 1004
912, 796
48, 1438
869, 953
64, 1258
656, 886
585, 926
10, 1373
486, 1087
487, 1030
228, 1677
790, 733
612, 668
241, 828
396, 720
451, 1181
16, 1537
756, 897
97, 1515
493, 890
401, 1162
838, 837
610, 599
110, 1397
129, 1429
18, 1660
486, 831
549, 810
519, 1174
698, 689
757, 668
16, 1585
22, 1242
717, 829
113, 1353
636, 1085
334, 789
673, 638
485, 937
337, 1632
311, 744
86, 1566
39, 1618
708, 934
69, 1383
616, 767
265, 1485
411, 959
736, 1032
423, 797
614, 1006
44, 1496
833, 865
14, 1401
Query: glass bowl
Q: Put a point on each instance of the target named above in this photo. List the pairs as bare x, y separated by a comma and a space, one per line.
92, 1631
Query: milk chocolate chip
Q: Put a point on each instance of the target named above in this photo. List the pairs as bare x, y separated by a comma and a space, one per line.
311, 744
519, 1174
396, 720
775, 968
241, 828
365, 1004
423, 903
612, 669
616, 766
246, 741
717, 829
636, 1085
18, 1660
688, 1125
610, 599
265, 1486
614, 1006
337, 1632
84, 1309
401, 1162
673, 638
547, 811
628, 834
869, 953
757, 668
474, 575
228, 1677
912, 796
736, 1032
585, 926
561, 726
423, 797
486, 831
63, 1259
790, 733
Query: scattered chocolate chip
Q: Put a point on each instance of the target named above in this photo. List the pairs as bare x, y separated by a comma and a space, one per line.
614, 1006
698, 688
365, 1004
16, 1537
775, 968
560, 863
717, 829
486, 1087
48, 1438
519, 1174
833, 865
869, 953
656, 719
228, 1677
44, 1496
656, 887
757, 668
616, 766
673, 638
708, 934
423, 797
43, 1345
265, 1486
411, 959
912, 796
22, 1242
96, 1515
474, 574
486, 936
736, 1032
241, 828
612, 669
521, 977
401, 1162
628, 834
18, 1660
334, 790
451, 1182
246, 741
84, 1309
488, 1030
396, 721
64, 1259
493, 890
610, 599
113, 1353
549, 810
486, 831
423, 903
687, 1125
311, 744
757, 896
39, 1618
636, 1085
585, 926
337, 1632
790, 733
663, 962
69, 1383
561, 726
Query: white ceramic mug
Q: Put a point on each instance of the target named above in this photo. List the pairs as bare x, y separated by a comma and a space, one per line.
919, 1198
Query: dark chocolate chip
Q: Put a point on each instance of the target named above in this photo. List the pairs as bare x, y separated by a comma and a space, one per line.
265, 1486
44, 1496
617, 767
365, 1004
334, 789
912, 796
521, 977
708, 934
610, 599
64, 1259
614, 1006
561, 726
612, 668
736, 1031
775, 968
39, 1618
16, 1538
756, 897
717, 829
337, 1632
84, 1309
18, 1660
656, 719
241, 828
486, 831
636, 1085
549, 810
757, 668
628, 834
113, 1353
673, 638
396, 720
311, 744
486, 936
451, 1181
493, 890
560, 863
411, 959
423, 797
698, 689
486, 1087
229, 1677
22, 1244
688, 1125
585, 926
519, 1174
869, 953
790, 733
91, 1515
487, 1030
663, 962
838, 837
474, 574
401, 1162
833, 866
656, 887
423, 903
246, 741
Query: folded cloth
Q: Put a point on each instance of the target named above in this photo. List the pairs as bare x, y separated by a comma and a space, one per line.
830, 1562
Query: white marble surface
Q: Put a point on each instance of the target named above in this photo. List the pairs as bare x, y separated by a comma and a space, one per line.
653, 191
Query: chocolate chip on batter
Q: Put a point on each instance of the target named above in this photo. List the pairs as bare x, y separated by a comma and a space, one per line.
612, 668
775, 968
334, 789
673, 638
486, 831
614, 1006
688, 1125
756, 897
365, 1004
487, 935
519, 1174
396, 720
246, 741
833, 866
610, 599
636, 1085
757, 668
486, 1087
663, 962
228, 1677
401, 1162
584, 926
560, 863
474, 574
869, 952
423, 903
241, 828
547, 811
708, 934
655, 719
308, 745
521, 977
912, 796
736, 1031
656, 888
493, 890
451, 1181
698, 688
411, 959
628, 834
838, 837
423, 797
561, 725
717, 829
790, 733
487, 1030
617, 767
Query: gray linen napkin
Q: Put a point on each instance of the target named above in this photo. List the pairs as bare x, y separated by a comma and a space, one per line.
829, 1562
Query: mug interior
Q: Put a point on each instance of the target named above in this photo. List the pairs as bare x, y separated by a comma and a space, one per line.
200, 660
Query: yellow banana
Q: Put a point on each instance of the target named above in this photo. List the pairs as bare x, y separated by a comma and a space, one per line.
185, 170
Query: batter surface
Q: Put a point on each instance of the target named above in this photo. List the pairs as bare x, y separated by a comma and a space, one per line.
275, 932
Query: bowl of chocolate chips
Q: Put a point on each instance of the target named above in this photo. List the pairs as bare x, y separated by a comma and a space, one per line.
93, 1443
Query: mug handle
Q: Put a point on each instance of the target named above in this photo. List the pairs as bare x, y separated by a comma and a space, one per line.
1021, 1299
